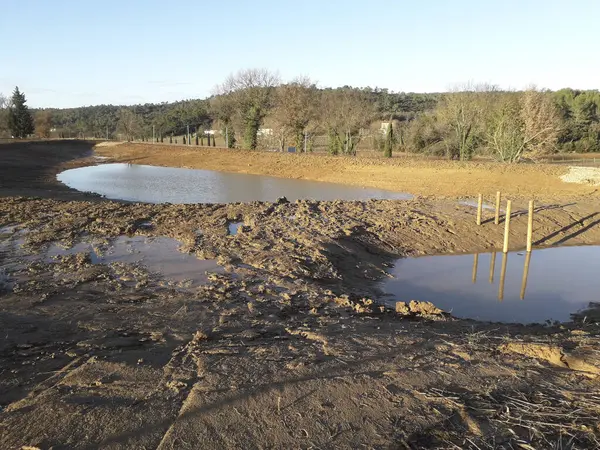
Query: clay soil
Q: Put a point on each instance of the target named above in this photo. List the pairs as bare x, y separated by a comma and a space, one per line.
287, 347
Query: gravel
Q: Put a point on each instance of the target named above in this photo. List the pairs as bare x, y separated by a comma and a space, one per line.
582, 175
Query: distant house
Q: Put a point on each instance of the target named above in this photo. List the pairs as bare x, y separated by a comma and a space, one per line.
265, 131
210, 132
384, 127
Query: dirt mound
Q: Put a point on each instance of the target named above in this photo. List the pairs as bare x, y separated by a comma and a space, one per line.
583, 359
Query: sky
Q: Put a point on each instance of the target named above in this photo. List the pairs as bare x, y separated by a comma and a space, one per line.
67, 53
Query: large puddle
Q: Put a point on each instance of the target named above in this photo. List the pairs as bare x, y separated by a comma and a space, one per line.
152, 184
549, 284
159, 255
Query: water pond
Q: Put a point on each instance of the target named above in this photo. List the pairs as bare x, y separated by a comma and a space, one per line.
160, 255
548, 284
152, 184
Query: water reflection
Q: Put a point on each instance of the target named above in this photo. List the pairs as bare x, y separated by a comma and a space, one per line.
234, 227
525, 275
560, 282
502, 273
173, 185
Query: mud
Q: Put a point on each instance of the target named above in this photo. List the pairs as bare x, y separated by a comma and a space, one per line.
288, 347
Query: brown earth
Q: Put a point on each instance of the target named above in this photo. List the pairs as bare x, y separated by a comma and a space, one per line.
287, 348
30, 168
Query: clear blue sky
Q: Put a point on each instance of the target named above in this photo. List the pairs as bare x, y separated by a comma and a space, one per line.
76, 52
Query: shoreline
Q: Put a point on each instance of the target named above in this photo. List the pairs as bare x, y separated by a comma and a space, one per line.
430, 179
285, 347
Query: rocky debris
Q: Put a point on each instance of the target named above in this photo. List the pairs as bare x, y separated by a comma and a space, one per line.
582, 175
418, 308
359, 305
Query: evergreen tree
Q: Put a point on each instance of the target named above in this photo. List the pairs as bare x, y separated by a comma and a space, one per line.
229, 137
389, 141
20, 120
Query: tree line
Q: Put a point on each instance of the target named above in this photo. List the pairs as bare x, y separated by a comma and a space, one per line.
508, 125
254, 109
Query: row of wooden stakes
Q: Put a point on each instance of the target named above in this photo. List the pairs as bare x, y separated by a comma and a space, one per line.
507, 216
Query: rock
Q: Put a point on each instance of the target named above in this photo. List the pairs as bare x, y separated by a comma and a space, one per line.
401, 308
418, 308
424, 308
281, 201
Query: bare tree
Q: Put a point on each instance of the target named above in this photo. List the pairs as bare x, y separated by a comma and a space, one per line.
43, 123
523, 123
296, 109
130, 124
504, 133
462, 111
251, 94
541, 122
4, 104
345, 113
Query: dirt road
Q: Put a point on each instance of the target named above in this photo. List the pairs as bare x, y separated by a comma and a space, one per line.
285, 348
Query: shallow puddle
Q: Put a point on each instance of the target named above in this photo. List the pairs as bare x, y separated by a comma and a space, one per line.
473, 203
549, 284
234, 227
158, 254
152, 184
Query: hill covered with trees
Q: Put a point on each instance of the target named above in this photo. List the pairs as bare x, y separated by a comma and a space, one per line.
254, 109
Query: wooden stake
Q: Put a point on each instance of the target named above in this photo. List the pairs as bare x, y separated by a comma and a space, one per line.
479, 207
530, 226
475, 263
502, 276
497, 218
525, 275
492, 267
507, 226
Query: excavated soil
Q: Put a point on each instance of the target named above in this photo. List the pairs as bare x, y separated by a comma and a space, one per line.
286, 347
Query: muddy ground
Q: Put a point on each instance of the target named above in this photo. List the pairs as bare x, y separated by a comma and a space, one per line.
285, 348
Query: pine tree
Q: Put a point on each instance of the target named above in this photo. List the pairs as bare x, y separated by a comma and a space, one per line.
389, 141
20, 120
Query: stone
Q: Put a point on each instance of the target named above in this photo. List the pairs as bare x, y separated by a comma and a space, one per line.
402, 308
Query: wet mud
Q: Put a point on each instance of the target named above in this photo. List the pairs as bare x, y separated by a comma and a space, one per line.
283, 342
